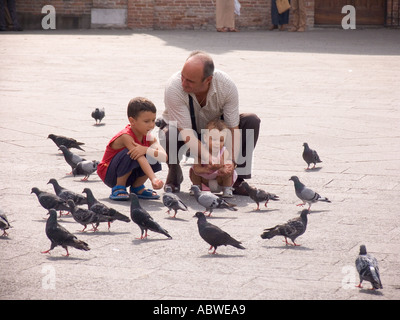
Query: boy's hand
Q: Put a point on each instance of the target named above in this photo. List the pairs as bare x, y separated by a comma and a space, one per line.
137, 151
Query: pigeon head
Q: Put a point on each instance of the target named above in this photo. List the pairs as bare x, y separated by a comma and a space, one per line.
35, 190
53, 214
305, 212
195, 188
200, 216
51, 136
294, 179
53, 181
71, 203
363, 249
305, 145
245, 185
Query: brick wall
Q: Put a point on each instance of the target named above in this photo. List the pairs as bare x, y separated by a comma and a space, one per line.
156, 14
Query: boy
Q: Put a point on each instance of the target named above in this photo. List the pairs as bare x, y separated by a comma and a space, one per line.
215, 176
124, 162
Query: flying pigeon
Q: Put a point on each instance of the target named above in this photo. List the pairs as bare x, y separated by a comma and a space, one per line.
259, 195
102, 209
50, 201
305, 194
67, 142
213, 235
85, 168
291, 229
368, 270
85, 216
211, 201
310, 156
66, 194
4, 224
172, 201
59, 236
98, 114
143, 219
71, 158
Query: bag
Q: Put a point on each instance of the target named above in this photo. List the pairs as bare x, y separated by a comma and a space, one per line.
282, 5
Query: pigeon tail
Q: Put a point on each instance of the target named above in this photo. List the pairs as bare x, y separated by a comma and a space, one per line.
270, 233
79, 244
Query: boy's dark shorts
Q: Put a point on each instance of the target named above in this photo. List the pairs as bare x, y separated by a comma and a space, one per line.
122, 164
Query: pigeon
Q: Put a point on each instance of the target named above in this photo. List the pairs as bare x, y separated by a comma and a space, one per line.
102, 209
71, 158
50, 201
85, 216
291, 229
211, 201
66, 194
65, 141
143, 219
259, 195
85, 168
98, 115
310, 156
59, 236
368, 270
172, 201
4, 224
305, 194
213, 235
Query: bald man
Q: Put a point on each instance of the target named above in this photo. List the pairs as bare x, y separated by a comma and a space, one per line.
194, 96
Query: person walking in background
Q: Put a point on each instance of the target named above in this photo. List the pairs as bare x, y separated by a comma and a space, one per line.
225, 16
279, 20
299, 15
11, 6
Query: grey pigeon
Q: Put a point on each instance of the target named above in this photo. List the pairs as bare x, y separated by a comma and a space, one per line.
259, 195
71, 158
213, 235
85, 216
310, 156
368, 270
143, 219
211, 201
291, 229
66, 194
172, 201
4, 224
65, 141
305, 194
102, 209
59, 236
50, 201
85, 168
98, 114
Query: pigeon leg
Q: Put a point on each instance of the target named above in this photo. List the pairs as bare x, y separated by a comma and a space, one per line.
300, 204
66, 255
5, 234
215, 249
47, 251
83, 230
266, 203
85, 178
295, 244
174, 216
359, 285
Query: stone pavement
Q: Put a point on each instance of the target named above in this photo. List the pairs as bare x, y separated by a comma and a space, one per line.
337, 90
